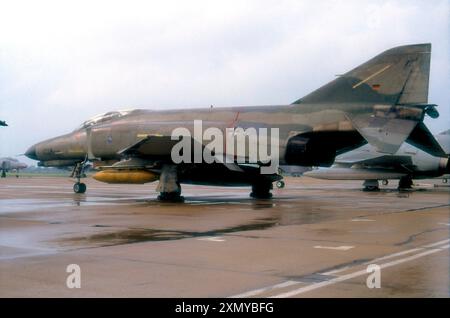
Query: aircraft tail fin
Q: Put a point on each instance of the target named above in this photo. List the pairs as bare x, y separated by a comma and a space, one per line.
394, 85
397, 76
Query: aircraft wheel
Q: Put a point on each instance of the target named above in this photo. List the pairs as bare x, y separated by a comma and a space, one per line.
79, 187
261, 195
371, 188
385, 182
261, 190
371, 185
405, 183
280, 184
444, 180
175, 197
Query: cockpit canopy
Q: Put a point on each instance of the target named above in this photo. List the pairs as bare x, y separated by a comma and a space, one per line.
101, 118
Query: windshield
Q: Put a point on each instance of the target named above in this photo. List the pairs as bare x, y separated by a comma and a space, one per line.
103, 118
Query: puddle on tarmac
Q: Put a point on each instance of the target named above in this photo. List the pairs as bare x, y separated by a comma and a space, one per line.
136, 235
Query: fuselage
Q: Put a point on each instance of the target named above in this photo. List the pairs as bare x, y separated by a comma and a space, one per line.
103, 139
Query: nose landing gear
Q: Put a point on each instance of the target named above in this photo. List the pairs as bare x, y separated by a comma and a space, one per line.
168, 187
78, 173
79, 187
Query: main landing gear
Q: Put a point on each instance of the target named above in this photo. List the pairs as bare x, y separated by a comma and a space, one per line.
168, 187
261, 190
405, 183
371, 186
78, 173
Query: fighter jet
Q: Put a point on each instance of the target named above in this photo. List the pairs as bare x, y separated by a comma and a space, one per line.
3, 123
11, 164
366, 163
382, 102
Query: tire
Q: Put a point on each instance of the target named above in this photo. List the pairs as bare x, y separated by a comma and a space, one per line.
79, 187
280, 184
405, 183
371, 189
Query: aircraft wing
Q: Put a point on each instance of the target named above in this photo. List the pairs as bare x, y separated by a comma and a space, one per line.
160, 147
150, 146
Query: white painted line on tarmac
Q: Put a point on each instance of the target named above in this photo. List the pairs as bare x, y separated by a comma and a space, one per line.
265, 289
212, 239
437, 243
362, 220
333, 272
394, 255
337, 248
425, 251
356, 274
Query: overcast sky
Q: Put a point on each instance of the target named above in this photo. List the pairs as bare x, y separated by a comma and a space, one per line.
61, 64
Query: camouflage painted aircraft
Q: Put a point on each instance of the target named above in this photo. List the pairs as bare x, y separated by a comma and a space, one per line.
408, 163
382, 102
11, 164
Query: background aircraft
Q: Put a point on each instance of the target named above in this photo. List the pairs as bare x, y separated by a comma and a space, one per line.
382, 102
408, 163
3, 123
11, 164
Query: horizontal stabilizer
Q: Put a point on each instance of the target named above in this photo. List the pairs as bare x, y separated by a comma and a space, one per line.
422, 138
385, 134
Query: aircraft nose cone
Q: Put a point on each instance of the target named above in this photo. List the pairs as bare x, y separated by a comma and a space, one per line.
31, 153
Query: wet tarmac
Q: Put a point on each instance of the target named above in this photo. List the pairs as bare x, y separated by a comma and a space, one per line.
313, 239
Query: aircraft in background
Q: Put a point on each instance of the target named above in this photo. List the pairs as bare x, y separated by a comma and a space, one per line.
381, 102
11, 164
370, 165
3, 123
